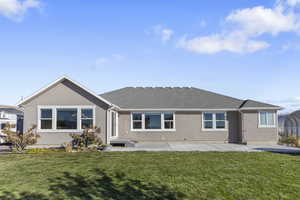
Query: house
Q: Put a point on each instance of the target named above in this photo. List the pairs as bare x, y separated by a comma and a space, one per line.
10, 115
172, 114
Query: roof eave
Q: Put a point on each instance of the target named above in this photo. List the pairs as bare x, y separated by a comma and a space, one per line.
261, 108
178, 109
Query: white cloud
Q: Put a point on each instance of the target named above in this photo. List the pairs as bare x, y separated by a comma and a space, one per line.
244, 26
163, 33
259, 20
290, 46
203, 23
216, 43
15, 9
110, 59
118, 56
102, 60
293, 2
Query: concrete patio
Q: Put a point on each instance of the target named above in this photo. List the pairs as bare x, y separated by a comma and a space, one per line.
208, 147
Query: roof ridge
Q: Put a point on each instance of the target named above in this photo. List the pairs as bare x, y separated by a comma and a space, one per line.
218, 94
110, 92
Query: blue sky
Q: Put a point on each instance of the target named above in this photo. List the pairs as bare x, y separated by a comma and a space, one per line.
246, 49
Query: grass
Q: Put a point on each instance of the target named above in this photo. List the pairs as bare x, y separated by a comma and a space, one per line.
149, 175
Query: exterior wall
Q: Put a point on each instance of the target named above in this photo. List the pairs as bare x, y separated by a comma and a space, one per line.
188, 128
63, 94
252, 133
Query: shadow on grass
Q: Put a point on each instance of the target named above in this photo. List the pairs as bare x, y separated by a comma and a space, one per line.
98, 186
293, 152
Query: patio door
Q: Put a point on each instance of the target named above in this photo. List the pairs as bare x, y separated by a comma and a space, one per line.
113, 124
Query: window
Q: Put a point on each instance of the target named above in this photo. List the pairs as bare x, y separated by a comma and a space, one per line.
168, 120
214, 121
46, 118
86, 118
3, 126
66, 118
62, 118
137, 120
267, 119
153, 121
208, 120
220, 121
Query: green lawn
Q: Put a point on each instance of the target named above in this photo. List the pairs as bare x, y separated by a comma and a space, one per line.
153, 175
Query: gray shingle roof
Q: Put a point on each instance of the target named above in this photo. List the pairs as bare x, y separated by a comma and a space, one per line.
170, 97
256, 104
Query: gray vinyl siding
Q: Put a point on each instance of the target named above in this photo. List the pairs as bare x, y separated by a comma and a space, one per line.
63, 94
253, 133
188, 128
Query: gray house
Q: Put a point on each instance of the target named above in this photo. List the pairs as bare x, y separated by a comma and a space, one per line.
139, 114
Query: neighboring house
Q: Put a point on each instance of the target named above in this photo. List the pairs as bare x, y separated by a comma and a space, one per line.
148, 115
281, 121
10, 115
292, 124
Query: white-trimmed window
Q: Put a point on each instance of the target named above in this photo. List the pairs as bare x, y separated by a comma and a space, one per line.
87, 118
214, 121
153, 121
65, 118
46, 118
137, 122
267, 119
168, 120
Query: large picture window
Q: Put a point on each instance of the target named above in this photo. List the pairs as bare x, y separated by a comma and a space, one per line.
66, 119
267, 119
153, 121
214, 121
62, 118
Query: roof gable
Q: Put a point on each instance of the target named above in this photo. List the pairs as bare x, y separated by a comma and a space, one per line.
60, 80
251, 104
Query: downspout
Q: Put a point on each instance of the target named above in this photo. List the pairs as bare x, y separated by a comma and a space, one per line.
107, 127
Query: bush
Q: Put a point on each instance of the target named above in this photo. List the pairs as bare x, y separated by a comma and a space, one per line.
21, 141
68, 147
88, 139
291, 140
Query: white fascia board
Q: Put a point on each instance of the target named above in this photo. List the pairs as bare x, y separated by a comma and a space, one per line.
261, 108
